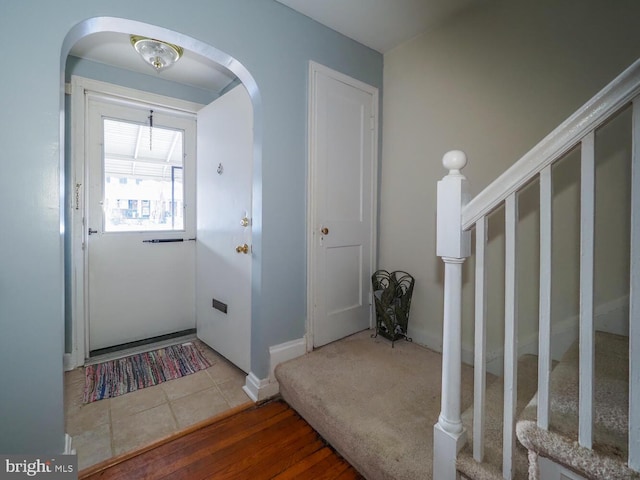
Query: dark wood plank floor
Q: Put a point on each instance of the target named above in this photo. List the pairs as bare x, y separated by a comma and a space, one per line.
267, 442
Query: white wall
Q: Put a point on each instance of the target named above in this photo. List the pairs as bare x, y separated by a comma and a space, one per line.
493, 82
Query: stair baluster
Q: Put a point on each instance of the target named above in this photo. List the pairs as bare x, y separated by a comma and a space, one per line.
544, 336
480, 351
587, 349
510, 337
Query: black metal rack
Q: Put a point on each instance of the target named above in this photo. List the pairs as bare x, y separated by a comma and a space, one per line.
392, 296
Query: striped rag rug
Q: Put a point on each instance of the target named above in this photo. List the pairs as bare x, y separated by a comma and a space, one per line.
128, 374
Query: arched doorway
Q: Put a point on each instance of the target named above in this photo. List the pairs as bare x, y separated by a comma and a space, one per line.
126, 27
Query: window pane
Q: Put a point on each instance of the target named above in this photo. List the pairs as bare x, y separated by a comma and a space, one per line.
143, 177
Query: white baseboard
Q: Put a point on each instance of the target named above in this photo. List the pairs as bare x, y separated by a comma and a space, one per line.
549, 470
67, 362
611, 317
284, 352
261, 389
564, 334
429, 340
68, 441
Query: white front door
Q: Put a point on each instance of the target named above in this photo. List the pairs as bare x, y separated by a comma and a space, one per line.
225, 176
343, 146
140, 219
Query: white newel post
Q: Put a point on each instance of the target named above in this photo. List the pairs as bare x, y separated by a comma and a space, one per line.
453, 246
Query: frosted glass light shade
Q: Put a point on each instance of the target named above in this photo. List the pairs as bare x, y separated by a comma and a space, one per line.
156, 53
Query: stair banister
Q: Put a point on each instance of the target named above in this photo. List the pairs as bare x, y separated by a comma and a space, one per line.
634, 300
453, 246
611, 99
457, 215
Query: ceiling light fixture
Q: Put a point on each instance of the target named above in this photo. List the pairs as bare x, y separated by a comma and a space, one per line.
158, 54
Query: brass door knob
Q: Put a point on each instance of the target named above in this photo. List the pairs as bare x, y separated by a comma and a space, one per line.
324, 231
244, 248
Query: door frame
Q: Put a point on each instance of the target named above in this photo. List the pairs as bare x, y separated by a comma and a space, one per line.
76, 201
314, 69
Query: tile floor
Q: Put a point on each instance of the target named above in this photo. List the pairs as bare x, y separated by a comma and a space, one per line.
113, 426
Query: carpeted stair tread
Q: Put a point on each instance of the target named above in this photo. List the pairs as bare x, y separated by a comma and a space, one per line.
611, 404
491, 467
376, 405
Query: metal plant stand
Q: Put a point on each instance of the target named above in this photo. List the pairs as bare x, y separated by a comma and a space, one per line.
392, 296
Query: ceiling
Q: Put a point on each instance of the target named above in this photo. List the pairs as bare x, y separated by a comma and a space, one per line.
378, 24
115, 49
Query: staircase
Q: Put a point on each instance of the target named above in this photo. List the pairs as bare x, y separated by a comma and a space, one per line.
581, 419
608, 457
490, 468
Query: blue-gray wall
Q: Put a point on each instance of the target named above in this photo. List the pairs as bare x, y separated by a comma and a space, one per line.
275, 45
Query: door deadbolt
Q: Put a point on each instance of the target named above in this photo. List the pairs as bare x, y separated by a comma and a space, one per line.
324, 231
244, 248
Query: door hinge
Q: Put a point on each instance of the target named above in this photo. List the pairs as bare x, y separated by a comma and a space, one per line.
77, 196
372, 122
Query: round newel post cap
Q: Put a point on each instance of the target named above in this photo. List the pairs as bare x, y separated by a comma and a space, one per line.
454, 161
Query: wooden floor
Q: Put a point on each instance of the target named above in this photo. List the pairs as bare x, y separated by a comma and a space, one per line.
267, 442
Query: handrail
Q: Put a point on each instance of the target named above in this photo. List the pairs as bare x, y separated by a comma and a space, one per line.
594, 113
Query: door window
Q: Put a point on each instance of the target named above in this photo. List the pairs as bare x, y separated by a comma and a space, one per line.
143, 177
